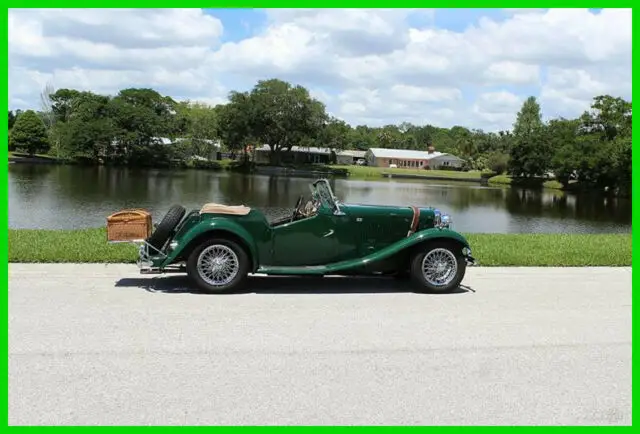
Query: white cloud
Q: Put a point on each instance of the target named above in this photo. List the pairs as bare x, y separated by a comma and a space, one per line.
558, 37
369, 66
135, 28
417, 94
400, 103
497, 108
566, 90
510, 72
106, 50
522, 10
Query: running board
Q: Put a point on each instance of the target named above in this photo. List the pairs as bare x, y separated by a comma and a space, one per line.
312, 270
145, 268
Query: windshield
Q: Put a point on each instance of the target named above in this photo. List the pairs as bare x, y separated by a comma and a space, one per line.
323, 190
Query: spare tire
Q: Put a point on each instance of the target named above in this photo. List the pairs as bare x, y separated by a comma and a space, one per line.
164, 230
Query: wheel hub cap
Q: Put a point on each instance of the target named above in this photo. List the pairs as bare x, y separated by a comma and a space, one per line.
218, 265
439, 267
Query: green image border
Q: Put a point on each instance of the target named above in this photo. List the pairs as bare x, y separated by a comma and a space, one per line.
306, 4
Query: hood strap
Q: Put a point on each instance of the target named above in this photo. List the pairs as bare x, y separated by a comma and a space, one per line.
414, 221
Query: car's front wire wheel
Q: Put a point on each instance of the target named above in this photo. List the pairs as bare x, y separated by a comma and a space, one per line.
438, 267
218, 265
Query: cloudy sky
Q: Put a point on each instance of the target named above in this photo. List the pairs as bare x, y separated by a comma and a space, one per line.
442, 67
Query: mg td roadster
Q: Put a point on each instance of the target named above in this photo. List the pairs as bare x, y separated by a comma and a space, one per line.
219, 245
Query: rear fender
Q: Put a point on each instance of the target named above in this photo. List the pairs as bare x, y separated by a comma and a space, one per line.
219, 227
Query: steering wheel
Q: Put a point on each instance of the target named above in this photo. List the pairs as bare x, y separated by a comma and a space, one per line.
296, 211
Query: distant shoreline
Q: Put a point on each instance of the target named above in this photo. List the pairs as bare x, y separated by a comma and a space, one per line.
340, 171
15, 158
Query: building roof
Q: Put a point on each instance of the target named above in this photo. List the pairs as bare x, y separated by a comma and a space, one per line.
352, 153
404, 154
316, 150
168, 141
310, 149
449, 156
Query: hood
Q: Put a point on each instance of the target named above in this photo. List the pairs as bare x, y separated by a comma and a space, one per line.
429, 216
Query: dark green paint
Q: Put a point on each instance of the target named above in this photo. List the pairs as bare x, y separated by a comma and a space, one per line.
338, 238
373, 258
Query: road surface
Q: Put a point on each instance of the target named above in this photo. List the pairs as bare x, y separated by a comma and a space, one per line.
101, 344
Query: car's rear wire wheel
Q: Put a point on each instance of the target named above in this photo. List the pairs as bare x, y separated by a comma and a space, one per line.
218, 265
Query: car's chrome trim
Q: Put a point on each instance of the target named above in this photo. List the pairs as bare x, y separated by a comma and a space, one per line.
436, 217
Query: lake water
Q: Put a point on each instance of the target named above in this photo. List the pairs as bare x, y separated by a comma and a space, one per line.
66, 197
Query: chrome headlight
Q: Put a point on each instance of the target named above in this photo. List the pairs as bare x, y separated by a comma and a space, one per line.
446, 221
436, 217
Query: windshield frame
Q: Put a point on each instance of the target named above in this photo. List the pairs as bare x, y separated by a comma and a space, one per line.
323, 190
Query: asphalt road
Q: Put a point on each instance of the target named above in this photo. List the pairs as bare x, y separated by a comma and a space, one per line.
98, 344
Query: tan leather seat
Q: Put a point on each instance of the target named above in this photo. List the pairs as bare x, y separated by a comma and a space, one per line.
218, 208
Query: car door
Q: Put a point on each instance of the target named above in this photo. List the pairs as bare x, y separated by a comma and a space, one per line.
311, 241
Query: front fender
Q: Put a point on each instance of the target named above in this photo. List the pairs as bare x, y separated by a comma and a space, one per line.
417, 238
432, 233
221, 224
405, 243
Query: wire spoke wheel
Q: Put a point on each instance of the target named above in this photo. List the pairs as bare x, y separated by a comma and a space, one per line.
218, 265
439, 267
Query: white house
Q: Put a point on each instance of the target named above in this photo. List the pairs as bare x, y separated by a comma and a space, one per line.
349, 156
384, 157
445, 160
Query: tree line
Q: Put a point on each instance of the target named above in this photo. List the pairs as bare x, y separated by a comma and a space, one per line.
594, 149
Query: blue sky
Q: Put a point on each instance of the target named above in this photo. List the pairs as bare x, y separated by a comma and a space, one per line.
471, 67
239, 23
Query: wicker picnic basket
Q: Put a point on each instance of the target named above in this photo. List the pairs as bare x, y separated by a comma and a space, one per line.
129, 224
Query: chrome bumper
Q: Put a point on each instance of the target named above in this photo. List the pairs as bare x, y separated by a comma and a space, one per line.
144, 262
466, 252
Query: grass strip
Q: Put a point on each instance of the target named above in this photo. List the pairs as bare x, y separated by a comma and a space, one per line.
525, 182
553, 250
572, 250
78, 245
364, 172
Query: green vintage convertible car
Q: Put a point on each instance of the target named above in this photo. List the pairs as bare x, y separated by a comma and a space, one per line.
219, 245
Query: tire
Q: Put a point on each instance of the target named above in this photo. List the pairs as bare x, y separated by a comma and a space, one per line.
164, 230
236, 256
449, 254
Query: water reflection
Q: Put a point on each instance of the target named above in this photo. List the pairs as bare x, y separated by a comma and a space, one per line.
43, 196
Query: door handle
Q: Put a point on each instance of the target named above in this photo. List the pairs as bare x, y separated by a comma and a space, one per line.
328, 234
